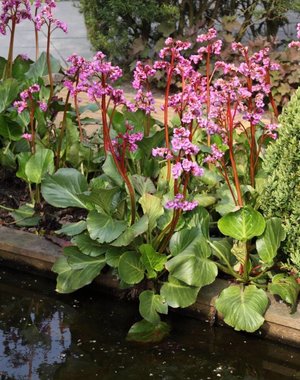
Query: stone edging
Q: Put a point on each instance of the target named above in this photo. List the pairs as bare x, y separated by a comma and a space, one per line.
38, 253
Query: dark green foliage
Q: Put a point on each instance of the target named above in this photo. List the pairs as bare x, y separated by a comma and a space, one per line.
122, 29
136, 29
281, 196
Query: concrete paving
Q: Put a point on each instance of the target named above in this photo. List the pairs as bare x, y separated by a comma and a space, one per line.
62, 45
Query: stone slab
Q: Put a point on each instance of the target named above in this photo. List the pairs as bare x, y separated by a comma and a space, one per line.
38, 253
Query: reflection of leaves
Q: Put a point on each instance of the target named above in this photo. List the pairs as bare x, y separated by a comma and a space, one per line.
31, 335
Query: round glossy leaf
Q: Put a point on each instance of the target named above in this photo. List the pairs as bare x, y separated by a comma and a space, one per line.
9, 90
178, 294
150, 305
193, 267
243, 307
269, 242
76, 270
88, 246
39, 164
61, 189
131, 269
103, 227
243, 224
146, 332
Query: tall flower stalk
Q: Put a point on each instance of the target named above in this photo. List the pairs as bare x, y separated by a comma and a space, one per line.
45, 17
12, 13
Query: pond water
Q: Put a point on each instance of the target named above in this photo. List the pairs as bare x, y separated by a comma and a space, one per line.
82, 336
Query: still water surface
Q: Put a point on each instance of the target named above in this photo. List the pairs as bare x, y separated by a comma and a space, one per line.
45, 336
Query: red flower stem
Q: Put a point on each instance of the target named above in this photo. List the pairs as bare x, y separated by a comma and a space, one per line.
49, 63
208, 88
147, 124
8, 70
109, 148
171, 228
224, 174
231, 155
36, 35
62, 132
273, 104
32, 126
166, 116
78, 117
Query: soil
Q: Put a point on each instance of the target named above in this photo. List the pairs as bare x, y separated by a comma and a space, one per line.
14, 193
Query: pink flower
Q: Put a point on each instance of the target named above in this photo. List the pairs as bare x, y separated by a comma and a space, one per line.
43, 106
27, 136
178, 203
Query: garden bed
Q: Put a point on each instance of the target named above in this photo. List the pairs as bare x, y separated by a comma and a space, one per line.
20, 248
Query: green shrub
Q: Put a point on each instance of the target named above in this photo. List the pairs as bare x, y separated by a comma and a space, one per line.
281, 196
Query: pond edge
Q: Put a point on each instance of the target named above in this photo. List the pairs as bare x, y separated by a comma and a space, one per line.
36, 253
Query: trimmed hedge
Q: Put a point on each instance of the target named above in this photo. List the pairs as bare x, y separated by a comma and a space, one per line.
281, 196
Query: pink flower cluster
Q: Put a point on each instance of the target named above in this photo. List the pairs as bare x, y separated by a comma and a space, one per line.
127, 140
215, 155
187, 166
16, 10
27, 95
94, 78
181, 142
46, 17
179, 203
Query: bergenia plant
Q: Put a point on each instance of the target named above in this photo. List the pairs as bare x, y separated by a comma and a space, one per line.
144, 213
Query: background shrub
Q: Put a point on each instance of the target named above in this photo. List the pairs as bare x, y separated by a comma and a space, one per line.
281, 196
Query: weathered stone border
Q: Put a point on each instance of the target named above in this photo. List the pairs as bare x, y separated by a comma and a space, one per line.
37, 253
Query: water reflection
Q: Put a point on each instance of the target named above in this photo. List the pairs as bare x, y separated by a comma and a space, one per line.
45, 336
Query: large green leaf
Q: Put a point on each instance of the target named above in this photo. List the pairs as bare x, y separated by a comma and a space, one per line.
9, 129
200, 218
23, 158
2, 66
142, 184
178, 294
39, 164
152, 207
185, 241
152, 260
103, 227
62, 188
102, 198
268, 243
243, 307
150, 305
132, 232
287, 288
109, 168
131, 268
243, 224
226, 203
113, 256
9, 90
76, 270
146, 332
222, 250
148, 143
20, 67
71, 229
88, 246
25, 216
40, 68
193, 266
